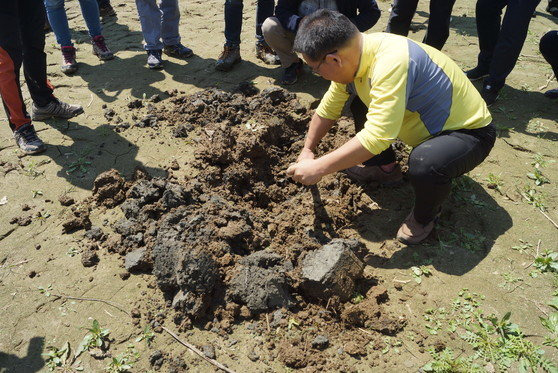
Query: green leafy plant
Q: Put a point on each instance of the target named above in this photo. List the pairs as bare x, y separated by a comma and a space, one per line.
60, 359
418, 272
534, 198
494, 182
524, 246
123, 362
547, 262
46, 291
551, 323
94, 339
538, 177
81, 164
147, 335
445, 361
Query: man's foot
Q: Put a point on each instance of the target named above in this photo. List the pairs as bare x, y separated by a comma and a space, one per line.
368, 174
552, 8
27, 139
552, 94
178, 50
412, 232
155, 59
477, 73
107, 11
291, 73
100, 48
55, 109
490, 92
228, 58
266, 54
69, 63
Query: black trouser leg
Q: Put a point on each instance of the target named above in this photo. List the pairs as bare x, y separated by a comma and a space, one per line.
10, 64
438, 23
436, 161
402, 13
359, 110
488, 18
549, 49
103, 3
32, 15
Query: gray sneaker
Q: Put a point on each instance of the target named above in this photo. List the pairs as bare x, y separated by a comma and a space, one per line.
55, 109
28, 141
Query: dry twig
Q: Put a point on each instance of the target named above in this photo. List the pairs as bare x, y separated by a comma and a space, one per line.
93, 300
549, 219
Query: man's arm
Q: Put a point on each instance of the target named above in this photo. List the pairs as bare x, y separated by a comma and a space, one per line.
368, 15
286, 12
317, 129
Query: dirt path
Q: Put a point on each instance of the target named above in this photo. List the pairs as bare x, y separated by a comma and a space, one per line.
487, 216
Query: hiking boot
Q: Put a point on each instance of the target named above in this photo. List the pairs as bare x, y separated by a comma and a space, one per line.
100, 48
477, 73
27, 139
178, 50
490, 92
412, 232
266, 54
228, 58
69, 63
107, 11
368, 174
55, 109
552, 8
155, 59
291, 73
552, 94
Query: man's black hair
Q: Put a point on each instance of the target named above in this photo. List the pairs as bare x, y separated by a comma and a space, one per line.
322, 32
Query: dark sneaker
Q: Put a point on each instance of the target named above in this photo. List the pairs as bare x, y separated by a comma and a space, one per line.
368, 174
266, 54
228, 58
412, 232
291, 73
155, 59
477, 73
490, 92
100, 48
107, 11
178, 50
552, 8
69, 63
552, 94
27, 139
55, 109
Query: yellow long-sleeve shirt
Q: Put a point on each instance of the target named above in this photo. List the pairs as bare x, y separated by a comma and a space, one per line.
412, 91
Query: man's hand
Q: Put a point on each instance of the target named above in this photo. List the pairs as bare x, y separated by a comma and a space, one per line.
305, 154
305, 171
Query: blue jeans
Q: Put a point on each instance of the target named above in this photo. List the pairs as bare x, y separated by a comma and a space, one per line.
59, 22
159, 22
233, 19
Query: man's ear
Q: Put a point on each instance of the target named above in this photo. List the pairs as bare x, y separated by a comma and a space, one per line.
334, 58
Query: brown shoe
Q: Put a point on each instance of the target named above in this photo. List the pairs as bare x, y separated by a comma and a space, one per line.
229, 58
367, 174
266, 54
412, 232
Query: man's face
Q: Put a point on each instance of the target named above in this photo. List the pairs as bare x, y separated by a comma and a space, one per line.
330, 67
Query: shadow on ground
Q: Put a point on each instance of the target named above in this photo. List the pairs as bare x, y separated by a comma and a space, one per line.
32, 362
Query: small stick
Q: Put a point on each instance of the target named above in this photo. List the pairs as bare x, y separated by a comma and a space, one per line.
549, 219
267, 319
198, 352
365, 331
538, 247
15, 264
93, 300
547, 82
401, 281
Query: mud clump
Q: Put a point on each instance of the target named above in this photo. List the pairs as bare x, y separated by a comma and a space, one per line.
108, 189
76, 219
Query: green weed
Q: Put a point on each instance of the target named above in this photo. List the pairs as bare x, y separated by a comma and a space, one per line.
494, 182
96, 338
418, 272
123, 362
445, 361
547, 262
147, 335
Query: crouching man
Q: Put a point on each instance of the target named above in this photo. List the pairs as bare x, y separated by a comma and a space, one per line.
413, 92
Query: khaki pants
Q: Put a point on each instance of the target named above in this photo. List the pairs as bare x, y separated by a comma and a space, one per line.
280, 40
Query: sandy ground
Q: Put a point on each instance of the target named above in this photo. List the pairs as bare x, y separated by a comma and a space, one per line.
38, 255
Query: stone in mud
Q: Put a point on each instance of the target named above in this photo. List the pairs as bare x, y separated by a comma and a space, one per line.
89, 256
130, 208
320, 342
332, 270
276, 95
137, 261
77, 219
95, 234
66, 200
108, 189
146, 191
126, 227
174, 195
261, 283
182, 130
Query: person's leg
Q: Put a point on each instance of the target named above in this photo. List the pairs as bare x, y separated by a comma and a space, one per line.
280, 40
34, 56
402, 13
488, 17
435, 162
549, 49
103, 3
438, 23
264, 10
233, 22
150, 20
90, 12
59, 22
510, 40
169, 22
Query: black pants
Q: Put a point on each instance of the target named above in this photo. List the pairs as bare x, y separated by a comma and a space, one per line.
437, 33
103, 3
436, 161
501, 43
549, 49
22, 40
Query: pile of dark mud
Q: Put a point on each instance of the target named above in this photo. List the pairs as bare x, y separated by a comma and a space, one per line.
237, 239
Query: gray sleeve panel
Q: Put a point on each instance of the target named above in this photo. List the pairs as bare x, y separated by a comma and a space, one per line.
429, 90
